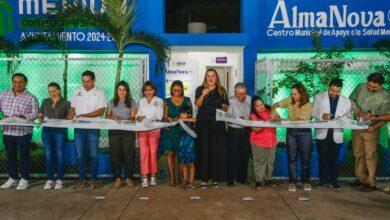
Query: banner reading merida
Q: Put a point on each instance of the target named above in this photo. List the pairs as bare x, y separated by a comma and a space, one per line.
19, 18
288, 24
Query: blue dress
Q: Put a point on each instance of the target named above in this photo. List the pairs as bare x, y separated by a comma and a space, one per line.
170, 139
187, 147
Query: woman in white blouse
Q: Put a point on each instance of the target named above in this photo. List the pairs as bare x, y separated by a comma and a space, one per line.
151, 108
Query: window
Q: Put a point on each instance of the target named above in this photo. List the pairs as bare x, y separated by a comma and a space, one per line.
220, 16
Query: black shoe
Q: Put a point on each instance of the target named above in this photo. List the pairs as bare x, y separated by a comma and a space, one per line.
258, 185
358, 183
269, 183
230, 184
336, 186
320, 185
368, 188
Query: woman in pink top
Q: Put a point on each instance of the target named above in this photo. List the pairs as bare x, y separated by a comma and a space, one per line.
263, 142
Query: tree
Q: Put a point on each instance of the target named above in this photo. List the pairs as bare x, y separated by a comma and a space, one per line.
316, 74
383, 46
118, 19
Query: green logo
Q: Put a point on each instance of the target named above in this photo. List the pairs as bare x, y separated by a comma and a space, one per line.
6, 19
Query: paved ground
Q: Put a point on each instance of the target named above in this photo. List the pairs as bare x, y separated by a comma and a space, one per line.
173, 203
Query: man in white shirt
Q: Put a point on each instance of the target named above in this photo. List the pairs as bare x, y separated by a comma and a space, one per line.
87, 102
238, 148
328, 106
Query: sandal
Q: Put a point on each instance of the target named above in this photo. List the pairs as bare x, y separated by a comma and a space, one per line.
189, 187
183, 184
172, 182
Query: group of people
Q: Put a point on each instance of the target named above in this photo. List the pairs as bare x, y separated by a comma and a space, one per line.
221, 151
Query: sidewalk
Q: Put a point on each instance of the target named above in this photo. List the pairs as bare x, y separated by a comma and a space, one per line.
173, 203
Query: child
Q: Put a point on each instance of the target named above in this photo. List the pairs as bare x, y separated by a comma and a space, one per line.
263, 142
186, 150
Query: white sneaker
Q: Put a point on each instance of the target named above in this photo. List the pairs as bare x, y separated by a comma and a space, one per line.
10, 183
58, 184
153, 181
144, 182
307, 187
292, 187
48, 185
23, 184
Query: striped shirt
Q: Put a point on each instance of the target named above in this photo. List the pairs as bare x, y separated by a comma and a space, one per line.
24, 104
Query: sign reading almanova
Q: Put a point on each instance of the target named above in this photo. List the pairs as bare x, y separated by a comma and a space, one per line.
360, 20
183, 70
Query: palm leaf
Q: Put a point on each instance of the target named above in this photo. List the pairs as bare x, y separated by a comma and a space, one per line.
122, 14
49, 39
383, 46
117, 19
155, 43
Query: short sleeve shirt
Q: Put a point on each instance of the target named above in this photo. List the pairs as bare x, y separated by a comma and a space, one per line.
121, 110
378, 103
211, 102
151, 111
59, 111
267, 136
295, 113
24, 104
85, 102
240, 109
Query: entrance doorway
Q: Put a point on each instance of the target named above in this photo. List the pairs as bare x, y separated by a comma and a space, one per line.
226, 76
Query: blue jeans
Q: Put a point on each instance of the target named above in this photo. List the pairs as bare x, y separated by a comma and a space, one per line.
11, 144
298, 141
87, 138
53, 140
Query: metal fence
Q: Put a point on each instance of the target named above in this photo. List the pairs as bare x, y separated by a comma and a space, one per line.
353, 72
41, 71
